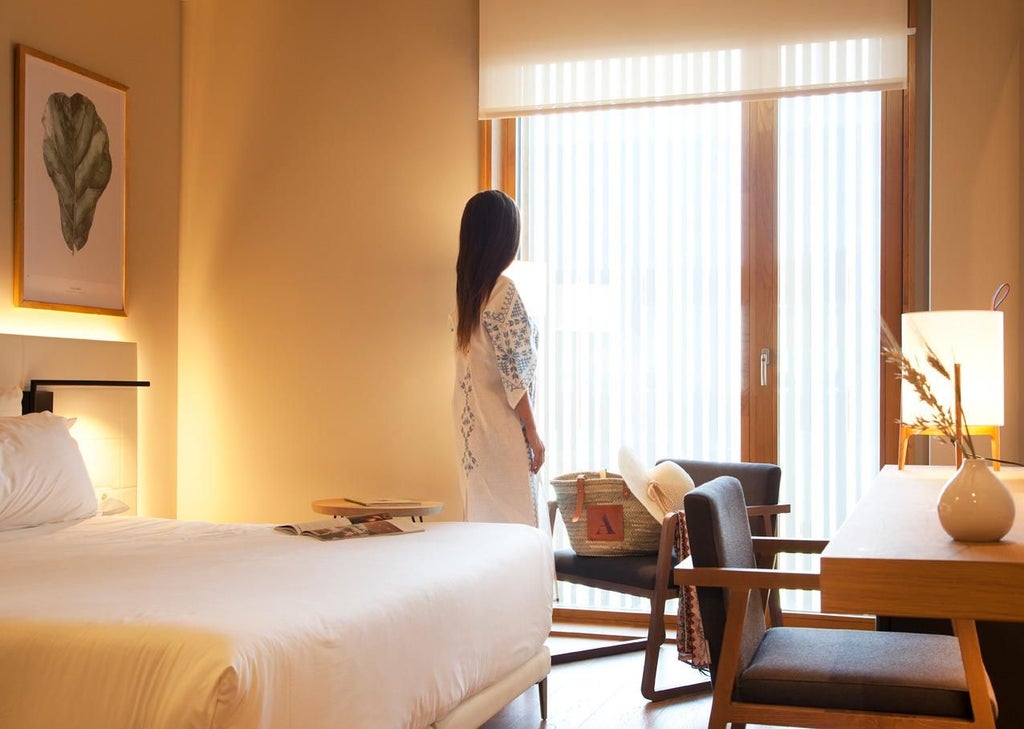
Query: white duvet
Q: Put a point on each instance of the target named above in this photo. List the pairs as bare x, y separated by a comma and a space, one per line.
145, 623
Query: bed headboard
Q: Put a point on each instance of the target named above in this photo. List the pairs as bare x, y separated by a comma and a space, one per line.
107, 417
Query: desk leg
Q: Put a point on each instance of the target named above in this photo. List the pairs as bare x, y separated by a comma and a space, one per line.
974, 669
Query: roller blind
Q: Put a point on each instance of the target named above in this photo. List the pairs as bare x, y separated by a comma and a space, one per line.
547, 55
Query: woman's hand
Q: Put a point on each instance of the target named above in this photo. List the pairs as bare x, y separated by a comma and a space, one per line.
536, 450
525, 413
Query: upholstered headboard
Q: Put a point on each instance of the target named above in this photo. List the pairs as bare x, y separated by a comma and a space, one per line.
107, 417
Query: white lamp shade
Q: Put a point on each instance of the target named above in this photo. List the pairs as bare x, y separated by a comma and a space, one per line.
974, 340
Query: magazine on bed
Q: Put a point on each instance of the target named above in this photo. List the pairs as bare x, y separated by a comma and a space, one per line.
342, 527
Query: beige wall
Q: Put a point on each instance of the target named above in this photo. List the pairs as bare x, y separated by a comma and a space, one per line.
976, 173
138, 44
329, 148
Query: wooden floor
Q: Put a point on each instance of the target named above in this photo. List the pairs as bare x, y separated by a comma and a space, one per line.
604, 693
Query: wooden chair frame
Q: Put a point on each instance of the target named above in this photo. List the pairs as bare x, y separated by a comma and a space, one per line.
740, 582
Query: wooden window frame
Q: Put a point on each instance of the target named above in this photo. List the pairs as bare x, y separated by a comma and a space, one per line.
759, 226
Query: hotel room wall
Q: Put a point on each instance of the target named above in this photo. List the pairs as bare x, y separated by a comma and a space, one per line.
328, 151
138, 44
976, 169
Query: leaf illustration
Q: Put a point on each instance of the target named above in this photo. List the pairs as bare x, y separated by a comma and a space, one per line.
76, 152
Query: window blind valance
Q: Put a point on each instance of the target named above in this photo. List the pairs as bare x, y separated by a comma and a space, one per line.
549, 55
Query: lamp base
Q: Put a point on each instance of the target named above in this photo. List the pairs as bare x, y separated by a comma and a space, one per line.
985, 431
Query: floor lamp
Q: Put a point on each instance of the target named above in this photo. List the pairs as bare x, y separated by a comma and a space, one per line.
972, 340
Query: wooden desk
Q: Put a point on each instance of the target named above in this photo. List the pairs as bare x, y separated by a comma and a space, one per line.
892, 557
343, 507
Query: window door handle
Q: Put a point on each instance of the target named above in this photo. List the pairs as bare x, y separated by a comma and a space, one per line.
764, 367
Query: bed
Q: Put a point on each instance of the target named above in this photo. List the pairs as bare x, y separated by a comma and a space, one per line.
126, 621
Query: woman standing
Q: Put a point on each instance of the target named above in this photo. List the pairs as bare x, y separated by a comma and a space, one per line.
500, 451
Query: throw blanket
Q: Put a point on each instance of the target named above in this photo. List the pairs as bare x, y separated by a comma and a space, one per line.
690, 643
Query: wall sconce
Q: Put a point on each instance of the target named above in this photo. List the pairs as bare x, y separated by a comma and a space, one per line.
972, 339
35, 400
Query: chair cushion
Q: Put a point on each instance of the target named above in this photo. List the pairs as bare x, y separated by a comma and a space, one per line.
636, 572
904, 673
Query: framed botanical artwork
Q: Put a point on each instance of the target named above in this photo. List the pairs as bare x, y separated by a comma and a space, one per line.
69, 217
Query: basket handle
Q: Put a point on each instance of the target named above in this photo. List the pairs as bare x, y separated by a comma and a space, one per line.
581, 480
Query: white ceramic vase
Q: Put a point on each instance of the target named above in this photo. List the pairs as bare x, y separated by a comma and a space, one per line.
975, 505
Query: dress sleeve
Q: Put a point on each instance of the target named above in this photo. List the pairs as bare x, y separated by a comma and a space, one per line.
515, 341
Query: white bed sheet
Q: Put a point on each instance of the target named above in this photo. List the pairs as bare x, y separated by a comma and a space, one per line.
134, 622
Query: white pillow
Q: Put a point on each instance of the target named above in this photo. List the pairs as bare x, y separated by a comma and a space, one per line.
10, 401
43, 478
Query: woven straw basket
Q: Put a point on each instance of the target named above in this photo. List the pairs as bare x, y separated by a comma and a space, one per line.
603, 517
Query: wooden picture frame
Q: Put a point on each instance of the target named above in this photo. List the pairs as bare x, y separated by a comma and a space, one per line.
70, 187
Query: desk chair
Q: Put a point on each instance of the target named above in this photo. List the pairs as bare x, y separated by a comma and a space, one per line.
814, 677
650, 576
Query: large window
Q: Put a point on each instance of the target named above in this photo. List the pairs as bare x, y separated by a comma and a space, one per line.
714, 206
648, 237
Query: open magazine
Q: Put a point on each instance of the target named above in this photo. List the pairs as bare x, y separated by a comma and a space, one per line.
341, 527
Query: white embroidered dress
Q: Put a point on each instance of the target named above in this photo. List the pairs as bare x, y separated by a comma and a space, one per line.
490, 379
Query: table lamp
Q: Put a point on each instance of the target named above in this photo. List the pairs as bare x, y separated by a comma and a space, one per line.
972, 339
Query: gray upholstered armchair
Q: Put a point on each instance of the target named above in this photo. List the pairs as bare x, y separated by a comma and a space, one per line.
811, 677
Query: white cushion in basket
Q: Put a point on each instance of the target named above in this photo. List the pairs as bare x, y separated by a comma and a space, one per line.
43, 478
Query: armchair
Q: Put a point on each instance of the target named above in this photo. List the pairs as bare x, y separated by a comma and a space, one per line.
814, 677
650, 576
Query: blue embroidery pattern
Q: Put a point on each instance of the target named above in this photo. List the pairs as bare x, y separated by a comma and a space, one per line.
515, 342
467, 424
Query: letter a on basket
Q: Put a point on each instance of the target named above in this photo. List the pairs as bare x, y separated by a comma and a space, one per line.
604, 523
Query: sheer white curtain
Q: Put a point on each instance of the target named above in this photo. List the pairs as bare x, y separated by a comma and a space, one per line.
633, 216
631, 222
829, 228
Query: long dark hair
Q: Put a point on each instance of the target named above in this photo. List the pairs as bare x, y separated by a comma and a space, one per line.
488, 241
